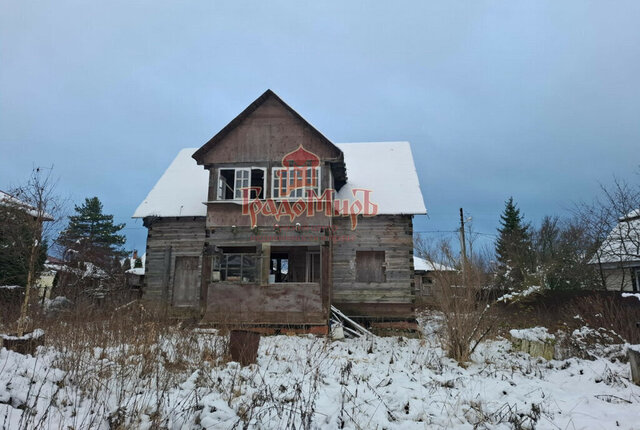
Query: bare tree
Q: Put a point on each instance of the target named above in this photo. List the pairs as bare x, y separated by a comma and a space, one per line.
39, 206
612, 224
563, 250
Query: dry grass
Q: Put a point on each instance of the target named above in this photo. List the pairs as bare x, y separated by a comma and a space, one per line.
128, 357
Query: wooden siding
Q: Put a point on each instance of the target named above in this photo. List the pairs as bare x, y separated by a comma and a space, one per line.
395, 297
268, 133
286, 303
299, 303
261, 303
168, 238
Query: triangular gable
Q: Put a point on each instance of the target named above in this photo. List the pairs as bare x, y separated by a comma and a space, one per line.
199, 154
242, 148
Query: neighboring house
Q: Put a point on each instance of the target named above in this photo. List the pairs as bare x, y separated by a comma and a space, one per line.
135, 275
427, 275
47, 278
20, 223
618, 258
271, 223
7, 200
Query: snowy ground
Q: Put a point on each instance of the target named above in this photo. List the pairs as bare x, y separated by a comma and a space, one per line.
307, 382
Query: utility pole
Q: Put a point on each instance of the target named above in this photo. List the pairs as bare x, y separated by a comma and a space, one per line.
463, 246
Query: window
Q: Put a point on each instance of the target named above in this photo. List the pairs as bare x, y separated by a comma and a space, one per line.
313, 266
232, 181
280, 267
370, 266
294, 182
427, 284
235, 265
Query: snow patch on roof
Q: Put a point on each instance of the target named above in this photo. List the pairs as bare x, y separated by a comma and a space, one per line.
7, 199
180, 191
420, 264
387, 169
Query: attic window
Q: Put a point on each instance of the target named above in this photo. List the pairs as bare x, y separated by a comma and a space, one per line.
231, 182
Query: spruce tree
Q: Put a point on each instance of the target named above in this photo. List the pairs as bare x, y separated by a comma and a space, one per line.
513, 247
92, 235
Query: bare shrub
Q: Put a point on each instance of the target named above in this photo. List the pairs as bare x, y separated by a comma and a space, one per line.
611, 312
463, 298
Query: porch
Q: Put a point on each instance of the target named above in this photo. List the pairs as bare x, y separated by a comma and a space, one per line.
265, 284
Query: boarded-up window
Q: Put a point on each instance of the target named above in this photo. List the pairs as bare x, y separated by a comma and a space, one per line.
370, 266
186, 283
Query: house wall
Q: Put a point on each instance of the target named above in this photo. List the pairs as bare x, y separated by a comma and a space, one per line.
621, 279
168, 238
424, 292
393, 298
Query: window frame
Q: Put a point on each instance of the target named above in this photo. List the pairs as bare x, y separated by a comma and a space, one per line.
317, 189
223, 257
235, 180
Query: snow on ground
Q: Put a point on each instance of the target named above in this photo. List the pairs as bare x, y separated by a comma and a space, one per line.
308, 382
636, 295
534, 334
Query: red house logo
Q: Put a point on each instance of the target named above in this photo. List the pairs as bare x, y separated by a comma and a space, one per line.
297, 191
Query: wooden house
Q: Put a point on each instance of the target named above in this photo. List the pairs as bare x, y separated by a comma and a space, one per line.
271, 223
427, 276
618, 257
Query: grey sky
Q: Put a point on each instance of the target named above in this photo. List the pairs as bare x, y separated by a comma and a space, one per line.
539, 100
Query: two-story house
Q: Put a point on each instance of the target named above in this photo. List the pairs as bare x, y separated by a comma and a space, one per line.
270, 223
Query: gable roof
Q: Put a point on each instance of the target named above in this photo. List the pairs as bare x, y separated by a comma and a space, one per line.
622, 245
199, 154
385, 168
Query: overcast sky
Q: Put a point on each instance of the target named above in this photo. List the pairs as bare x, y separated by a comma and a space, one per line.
538, 100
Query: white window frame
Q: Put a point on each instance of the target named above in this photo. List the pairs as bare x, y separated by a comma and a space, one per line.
299, 193
237, 193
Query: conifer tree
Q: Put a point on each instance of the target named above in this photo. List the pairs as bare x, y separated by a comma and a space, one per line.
513, 247
92, 235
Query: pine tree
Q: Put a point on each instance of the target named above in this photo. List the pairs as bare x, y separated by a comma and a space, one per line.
92, 236
513, 247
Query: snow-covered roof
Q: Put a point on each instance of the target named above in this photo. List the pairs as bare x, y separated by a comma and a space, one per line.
385, 168
180, 191
9, 200
622, 245
420, 264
